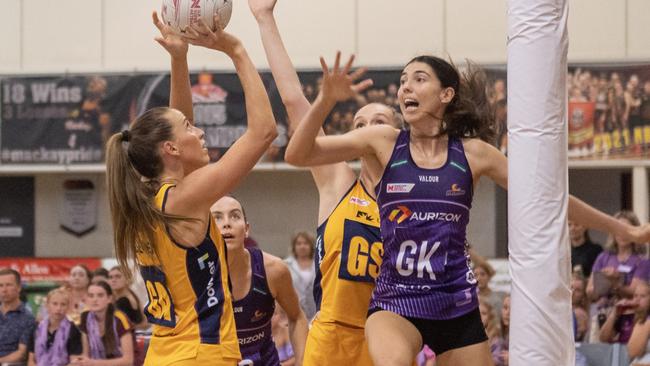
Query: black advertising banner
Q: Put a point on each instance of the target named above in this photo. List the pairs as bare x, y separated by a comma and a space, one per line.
17, 216
61, 120
67, 119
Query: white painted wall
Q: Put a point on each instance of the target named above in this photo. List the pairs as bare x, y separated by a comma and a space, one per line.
117, 35
277, 204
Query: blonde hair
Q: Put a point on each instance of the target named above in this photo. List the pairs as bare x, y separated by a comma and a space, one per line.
492, 327
59, 291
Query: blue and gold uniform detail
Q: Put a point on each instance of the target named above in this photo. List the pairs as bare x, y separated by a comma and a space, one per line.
348, 257
349, 252
190, 304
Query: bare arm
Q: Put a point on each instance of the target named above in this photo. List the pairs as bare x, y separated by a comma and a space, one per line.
590, 288
487, 160
331, 180
180, 95
202, 187
306, 148
284, 293
638, 340
607, 332
18, 355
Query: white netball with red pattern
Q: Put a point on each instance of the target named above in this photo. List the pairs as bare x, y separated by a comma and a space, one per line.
179, 14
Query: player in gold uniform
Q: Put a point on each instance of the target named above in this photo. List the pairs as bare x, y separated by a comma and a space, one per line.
161, 186
349, 249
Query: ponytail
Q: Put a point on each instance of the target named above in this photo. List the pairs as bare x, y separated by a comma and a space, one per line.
132, 159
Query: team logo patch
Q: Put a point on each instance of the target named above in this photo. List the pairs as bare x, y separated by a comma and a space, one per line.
202, 260
259, 315
455, 190
359, 201
400, 214
399, 187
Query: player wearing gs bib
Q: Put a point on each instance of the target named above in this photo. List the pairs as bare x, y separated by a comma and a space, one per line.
161, 186
190, 305
343, 285
348, 258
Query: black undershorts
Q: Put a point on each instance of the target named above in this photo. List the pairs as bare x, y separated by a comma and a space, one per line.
445, 335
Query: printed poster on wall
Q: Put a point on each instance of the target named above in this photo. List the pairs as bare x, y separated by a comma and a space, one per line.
17, 216
79, 209
67, 119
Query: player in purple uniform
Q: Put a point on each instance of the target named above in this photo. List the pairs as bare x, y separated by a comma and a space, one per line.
258, 280
424, 179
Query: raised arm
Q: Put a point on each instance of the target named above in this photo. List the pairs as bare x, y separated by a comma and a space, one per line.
205, 185
331, 180
306, 148
282, 68
180, 95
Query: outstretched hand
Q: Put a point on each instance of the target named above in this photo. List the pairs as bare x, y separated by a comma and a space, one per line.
201, 35
639, 234
261, 8
169, 39
339, 84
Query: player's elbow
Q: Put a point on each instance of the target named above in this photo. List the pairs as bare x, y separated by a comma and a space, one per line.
296, 156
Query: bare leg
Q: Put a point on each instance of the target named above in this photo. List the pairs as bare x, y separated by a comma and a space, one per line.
476, 354
392, 340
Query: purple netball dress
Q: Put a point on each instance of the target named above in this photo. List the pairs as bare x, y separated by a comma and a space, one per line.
426, 272
253, 317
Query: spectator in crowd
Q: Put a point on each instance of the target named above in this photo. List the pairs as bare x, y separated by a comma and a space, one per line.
280, 331
106, 333
303, 273
16, 323
622, 318
491, 324
583, 251
638, 346
580, 305
100, 274
620, 264
484, 273
615, 274
505, 331
78, 282
56, 339
125, 299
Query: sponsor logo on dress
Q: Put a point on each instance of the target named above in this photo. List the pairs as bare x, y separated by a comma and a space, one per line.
365, 215
455, 190
359, 201
429, 178
251, 339
259, 315
202, 260
400, 214
399, 187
